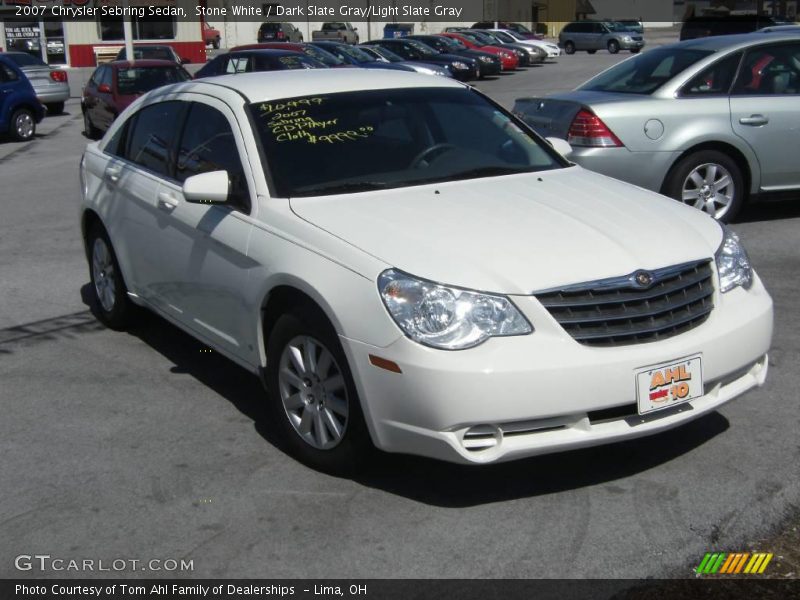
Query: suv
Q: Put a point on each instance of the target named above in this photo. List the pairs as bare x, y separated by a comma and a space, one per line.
597, 35
709, 25
279, 32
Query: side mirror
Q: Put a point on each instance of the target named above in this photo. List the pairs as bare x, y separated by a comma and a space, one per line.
207, 188
104, 88
559, 145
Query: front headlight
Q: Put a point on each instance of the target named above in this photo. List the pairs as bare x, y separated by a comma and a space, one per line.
447, 317
460, 65
486, 59
733, 264
626, 38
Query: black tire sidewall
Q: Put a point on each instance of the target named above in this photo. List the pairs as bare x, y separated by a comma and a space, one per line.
569, 48
681, 170
118, 318
613, 46
345, 457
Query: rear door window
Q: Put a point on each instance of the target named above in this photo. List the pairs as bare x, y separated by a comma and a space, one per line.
770, 70
716, 80
151, 139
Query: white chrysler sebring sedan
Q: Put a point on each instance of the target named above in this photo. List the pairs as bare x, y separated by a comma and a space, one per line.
406, 264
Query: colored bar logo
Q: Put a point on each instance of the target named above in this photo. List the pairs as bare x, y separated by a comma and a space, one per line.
732, 563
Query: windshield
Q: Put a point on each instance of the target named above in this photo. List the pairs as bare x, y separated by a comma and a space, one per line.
355, 53
386, 53
290, 62
503, 36
26, 60
452, 43
138, 80
321, 55
378, 139
423, 49
519, 27
645, 73
616, 26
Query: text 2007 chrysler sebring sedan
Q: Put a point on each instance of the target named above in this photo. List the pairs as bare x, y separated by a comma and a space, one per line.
405, 264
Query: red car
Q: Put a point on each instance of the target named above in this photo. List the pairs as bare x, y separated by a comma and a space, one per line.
508, 60
113, 86
325, 57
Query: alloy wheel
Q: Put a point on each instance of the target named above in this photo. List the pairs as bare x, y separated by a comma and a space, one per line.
313, 392
709, 187
24, 125
104, 275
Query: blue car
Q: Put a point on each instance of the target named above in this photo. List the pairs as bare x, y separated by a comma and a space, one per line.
20, 110
357, 57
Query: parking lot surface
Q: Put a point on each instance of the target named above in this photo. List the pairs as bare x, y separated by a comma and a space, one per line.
142, 445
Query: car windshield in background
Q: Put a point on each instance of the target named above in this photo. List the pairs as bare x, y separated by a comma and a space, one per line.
359, 141
355, 53
423, 49
153, 54
645, 73
386, 53
26, 60
138, 80
322, 56
297, 61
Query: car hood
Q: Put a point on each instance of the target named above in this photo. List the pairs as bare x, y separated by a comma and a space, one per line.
520, 233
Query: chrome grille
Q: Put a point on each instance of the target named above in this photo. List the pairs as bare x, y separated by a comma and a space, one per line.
620, 311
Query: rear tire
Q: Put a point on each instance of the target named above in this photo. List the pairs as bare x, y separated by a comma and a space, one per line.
55, 108
109, 293
613, 46
708, 180
23, 125
312, 396
569, 48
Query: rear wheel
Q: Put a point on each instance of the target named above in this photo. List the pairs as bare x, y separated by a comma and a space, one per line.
312, 394
110, 295
569, 48
55, 108
23, 125
613, 46
710, 181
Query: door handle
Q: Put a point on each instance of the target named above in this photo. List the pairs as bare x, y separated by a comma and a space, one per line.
113, 173
754, 120
167, 201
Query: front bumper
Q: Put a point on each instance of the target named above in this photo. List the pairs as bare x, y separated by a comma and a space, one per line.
521, 396
634, 44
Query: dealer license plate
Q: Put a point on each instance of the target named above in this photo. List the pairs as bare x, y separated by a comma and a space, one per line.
668, 384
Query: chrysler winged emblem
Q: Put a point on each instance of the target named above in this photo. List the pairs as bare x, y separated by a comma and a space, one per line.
643, 279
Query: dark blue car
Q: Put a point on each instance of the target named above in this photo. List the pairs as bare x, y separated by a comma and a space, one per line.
20, 110
357, 57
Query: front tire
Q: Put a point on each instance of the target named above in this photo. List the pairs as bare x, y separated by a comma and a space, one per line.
109, 293
23, 125
710, 181
569, 48
89, 129
312, 395
613, 46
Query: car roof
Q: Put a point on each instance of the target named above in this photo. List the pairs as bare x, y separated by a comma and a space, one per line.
265, 52
142, 62
726, 42
275, 85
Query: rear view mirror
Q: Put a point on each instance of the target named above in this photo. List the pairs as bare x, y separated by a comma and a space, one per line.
207, 188
560, 146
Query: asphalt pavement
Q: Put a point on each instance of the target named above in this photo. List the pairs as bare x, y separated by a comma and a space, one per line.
140, 446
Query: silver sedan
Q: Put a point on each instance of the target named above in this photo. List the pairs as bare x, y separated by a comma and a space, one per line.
712, 122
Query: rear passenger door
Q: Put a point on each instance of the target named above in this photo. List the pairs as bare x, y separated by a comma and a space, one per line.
206, 261
765, 111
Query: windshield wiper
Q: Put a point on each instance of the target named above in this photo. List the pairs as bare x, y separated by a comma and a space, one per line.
352, 186
488, 172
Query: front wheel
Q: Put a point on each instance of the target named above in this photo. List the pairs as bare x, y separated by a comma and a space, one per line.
613, 46
569, 48
110, 295
89, 129
312, 394
709, 181
23, 125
